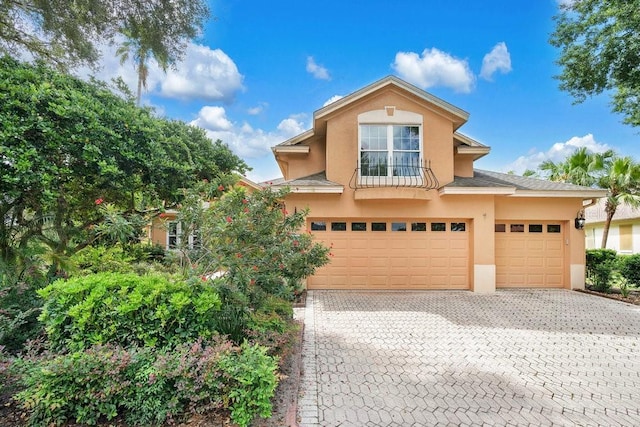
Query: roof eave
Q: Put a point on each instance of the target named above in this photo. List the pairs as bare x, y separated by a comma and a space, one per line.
314, 189
359, 94
501, 191
296, 139
585, 194
291, 149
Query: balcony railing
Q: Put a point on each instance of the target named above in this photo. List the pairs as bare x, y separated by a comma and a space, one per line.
394, 175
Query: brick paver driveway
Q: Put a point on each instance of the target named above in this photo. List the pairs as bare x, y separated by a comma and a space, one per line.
521, 357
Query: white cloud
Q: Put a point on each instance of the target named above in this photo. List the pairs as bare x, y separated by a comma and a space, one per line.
203, 74
318, 71
434, 68
557, 153
213, 118
333, 99
496, 60
254, 111
243, 139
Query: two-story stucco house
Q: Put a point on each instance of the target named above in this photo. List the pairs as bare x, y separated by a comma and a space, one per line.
391, 188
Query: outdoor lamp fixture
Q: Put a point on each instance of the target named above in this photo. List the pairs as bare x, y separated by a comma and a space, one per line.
579, 221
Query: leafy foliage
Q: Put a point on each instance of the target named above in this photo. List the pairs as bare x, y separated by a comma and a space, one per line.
149, 385
598, 43
600, 266
258, 244
65, 33
69, 148
253, 383
126, 309
619, 175
630, 269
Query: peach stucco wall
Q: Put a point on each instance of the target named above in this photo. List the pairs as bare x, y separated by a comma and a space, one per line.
342, 136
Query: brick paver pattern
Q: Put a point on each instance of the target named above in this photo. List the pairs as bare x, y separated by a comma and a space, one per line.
515, 357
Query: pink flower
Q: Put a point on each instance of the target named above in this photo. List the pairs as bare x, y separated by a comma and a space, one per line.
252, 282
238, 255
245, 201
246, 210
229, 219
99, 201
220, 187
296, 243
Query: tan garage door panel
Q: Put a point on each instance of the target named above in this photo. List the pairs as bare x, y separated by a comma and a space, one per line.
529, 254
393, 259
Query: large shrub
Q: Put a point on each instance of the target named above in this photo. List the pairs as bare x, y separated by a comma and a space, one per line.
148, 385
258, 243
127, 309
600, 266
630, 269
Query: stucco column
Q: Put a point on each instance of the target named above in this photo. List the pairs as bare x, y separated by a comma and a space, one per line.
484, 258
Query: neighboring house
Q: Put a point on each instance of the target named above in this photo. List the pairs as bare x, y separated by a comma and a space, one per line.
392, 190
167, 232
624, 232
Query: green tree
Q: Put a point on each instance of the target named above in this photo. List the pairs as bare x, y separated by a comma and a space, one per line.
64, 33
599, 46
622, 178
67, 147
619, 175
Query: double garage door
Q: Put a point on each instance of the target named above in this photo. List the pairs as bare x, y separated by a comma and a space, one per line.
434, 254
393, 254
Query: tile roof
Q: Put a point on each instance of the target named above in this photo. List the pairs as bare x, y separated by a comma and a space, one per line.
317, 179
483, 178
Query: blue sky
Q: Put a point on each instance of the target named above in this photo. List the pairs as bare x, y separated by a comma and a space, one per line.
261, 69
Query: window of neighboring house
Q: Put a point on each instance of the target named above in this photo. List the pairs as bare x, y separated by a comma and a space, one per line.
500, 228
175, 236
626, 238
458, 226
516, 228
390, 150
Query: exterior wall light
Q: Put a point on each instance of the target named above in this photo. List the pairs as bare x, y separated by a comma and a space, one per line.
579, 221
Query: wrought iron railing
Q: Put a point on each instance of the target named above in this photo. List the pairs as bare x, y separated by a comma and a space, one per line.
394, 175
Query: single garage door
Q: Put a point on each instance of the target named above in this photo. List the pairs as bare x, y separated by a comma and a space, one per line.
530, 254
392, 254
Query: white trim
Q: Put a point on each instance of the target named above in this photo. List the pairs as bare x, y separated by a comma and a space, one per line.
391, 80
296, 139
561, 193
380, 118
505, 191
291, 149
317, 189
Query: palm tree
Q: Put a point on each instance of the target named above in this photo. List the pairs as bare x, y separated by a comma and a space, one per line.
622, 179
141, 51
619, 175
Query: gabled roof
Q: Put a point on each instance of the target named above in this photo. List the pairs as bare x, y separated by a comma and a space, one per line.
458, 116
316, 183
489, 182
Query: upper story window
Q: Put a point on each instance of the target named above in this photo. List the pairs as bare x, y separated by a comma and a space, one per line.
390, 150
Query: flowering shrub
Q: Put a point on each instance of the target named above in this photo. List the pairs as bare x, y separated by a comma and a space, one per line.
127, 309
149, 385
260, 245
